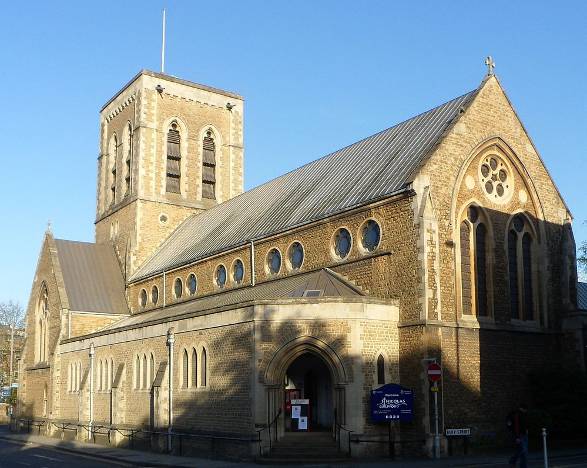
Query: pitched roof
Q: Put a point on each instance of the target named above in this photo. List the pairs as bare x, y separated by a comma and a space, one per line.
374, 168
329, 283
581, 296
92, 277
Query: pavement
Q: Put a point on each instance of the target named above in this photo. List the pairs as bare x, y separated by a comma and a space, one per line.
19, 449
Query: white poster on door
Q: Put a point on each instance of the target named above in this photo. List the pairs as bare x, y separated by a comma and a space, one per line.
303, 423
296, 411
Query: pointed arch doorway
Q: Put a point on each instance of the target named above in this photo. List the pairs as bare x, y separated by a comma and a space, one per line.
309, 378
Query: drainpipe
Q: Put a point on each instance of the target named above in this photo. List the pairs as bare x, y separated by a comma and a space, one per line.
170, 341
252, 263
91, 354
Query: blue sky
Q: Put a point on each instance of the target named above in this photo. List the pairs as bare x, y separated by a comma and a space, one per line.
316, 76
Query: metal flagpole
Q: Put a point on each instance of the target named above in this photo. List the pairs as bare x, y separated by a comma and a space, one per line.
163, 45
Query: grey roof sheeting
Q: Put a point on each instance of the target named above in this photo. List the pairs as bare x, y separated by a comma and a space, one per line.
92, 277
378, 166
328, 282
581, 296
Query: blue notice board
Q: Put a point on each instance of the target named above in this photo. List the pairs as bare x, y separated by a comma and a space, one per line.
392, 402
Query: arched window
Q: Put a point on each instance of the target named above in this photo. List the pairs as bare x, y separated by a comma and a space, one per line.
113, 161
69, 377
151, 371
79, 376
110, 374
173, 182
203, 365
185, 369
41, 334
380, 370
138, 372
474, 244
194, 368
144, 372
520, 264
100, 375
209, 166
128, 160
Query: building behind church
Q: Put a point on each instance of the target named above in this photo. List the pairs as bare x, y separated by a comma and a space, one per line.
204, 310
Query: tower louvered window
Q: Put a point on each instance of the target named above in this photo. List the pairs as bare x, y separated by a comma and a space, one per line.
521, 276
173, 160
209, 167
473, 264
128, 160
114, 157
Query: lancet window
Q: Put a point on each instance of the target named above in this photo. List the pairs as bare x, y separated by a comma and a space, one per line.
521, 269
474, 247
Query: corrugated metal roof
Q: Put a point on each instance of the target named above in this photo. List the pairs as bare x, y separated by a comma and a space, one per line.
370, 169
92, 277
582, 296
331, 284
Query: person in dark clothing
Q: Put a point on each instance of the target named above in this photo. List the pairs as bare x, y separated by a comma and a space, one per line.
517, 422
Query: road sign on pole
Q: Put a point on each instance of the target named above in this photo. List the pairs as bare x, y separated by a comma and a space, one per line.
434, 372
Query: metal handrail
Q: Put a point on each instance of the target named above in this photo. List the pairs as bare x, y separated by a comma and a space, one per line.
268, 428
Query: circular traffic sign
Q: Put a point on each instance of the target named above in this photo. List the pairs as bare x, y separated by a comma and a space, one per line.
434, 372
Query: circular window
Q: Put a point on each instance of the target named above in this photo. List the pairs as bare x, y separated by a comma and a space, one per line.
495, 178
143, 298
296, 255
238, 271
178, 288
371, 235
342, 243
192, 284
274, 261
221, 276
154, 294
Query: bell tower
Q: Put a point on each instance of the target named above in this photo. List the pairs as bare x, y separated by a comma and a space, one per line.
169, 148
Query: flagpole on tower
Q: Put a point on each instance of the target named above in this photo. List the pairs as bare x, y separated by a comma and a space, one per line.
163, 45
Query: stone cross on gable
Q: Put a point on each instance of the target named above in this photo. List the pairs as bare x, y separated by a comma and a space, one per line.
490, 65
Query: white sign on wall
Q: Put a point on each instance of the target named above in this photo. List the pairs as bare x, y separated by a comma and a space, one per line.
296, 411
303, 423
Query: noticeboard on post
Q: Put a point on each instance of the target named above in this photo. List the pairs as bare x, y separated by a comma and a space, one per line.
392, 402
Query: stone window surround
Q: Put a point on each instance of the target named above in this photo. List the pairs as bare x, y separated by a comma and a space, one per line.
175, 296
528, 228
288, 264
143, 372
217, 286
333, 253
199, 348
267, 265
361, 248
232, 279
489, 261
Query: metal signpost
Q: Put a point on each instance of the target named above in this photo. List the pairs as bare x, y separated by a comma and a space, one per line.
434, 375
390, 403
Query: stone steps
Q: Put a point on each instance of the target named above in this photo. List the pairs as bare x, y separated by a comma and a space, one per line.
305, 447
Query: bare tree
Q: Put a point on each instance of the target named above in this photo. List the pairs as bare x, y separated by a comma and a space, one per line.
11, 314
12, 319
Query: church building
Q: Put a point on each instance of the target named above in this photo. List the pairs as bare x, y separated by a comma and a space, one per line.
205, 310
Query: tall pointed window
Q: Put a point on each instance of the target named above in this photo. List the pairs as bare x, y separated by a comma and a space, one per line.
128, 160
194, 368
203, 365
380, 370
113, 161
473, 263
520, 263
209, 166
185, 370
42, 320
173, 182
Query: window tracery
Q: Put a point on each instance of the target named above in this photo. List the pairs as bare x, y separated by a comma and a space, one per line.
474, 276
521, 267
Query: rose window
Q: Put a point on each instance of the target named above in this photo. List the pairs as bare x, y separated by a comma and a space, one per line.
496, 179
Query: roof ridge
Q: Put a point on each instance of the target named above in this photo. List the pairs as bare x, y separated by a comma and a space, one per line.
310, 192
